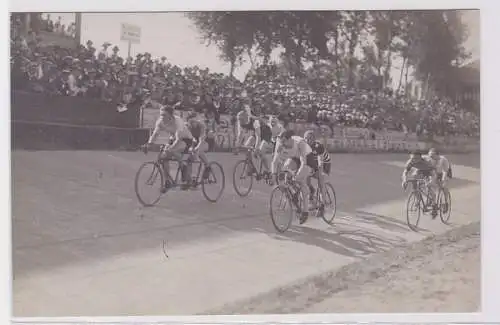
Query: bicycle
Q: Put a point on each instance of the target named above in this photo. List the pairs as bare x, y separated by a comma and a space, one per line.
444, 204
249, 171
291, 197
157, 173
422, 198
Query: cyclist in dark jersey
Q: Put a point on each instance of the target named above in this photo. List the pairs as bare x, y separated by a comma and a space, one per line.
423, 169
198, 131
261, 137
319, 161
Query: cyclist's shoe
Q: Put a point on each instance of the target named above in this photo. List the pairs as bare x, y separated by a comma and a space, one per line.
303, 218
186, 186
165, 187
321, 210
206, 172
434, 211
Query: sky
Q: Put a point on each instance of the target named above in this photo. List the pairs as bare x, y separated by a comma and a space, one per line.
172, 35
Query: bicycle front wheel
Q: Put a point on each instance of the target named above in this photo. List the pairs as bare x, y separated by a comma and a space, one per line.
213, 182
413, 206
329, 209
279, 203
444, 204
242, 178
149, 181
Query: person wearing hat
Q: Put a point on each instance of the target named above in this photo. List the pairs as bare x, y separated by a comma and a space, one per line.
421, 169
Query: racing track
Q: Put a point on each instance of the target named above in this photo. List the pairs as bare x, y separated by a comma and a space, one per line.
82, 245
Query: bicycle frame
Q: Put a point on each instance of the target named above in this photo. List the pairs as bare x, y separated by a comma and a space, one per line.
180, 163
425, 194
250, 161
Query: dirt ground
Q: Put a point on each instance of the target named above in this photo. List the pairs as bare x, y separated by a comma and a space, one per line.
445, 281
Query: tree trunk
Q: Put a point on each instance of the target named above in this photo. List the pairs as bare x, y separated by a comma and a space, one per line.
252, 61
401, 74
388, 66
352, 46
337, 61
231, 68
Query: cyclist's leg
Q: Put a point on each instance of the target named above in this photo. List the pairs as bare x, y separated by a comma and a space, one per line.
264, 148
301, 179
250, 141
312, 162
176, 151
321, 179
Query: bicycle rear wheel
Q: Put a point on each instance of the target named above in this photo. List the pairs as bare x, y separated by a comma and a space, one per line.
329, 204
444, 204
151, 175
413, 205
241, 173
213, 177
280, 196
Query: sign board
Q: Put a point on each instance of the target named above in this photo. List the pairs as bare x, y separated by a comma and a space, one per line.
130, 33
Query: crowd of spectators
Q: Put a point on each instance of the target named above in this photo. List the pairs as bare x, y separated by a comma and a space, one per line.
104, 74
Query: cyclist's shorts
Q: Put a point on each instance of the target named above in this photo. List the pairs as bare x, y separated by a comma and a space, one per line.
312, 161
296, 160
189, 142
424, 173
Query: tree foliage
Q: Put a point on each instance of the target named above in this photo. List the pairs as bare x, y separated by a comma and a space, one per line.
430, 42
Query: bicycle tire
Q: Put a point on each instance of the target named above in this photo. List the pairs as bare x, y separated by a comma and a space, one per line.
445, 215
286, 196
136, 183
245, 165
416, 196
333, 200
213, 165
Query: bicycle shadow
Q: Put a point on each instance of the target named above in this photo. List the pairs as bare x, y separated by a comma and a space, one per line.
385, 222
358, 243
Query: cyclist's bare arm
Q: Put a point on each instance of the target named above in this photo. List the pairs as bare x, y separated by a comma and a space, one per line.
156, 132
239, 133
406, 170
303, 151
202, 136
256, 127
276, 157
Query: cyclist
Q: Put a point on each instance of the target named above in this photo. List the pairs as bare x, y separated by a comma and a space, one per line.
423, 169
183, 139
261, 138
199, 132
442, 165
276, 128
319, 160
294, 150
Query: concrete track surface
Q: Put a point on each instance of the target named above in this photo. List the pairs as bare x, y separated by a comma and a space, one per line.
83, 245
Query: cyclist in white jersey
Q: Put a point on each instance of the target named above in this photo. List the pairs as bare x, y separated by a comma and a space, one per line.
261, 138
442, 167
294, 151
176, 126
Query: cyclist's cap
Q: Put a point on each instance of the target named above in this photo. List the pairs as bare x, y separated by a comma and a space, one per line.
417, 152
286, 134
433, 151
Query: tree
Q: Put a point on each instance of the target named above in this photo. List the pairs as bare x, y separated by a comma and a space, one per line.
354, 24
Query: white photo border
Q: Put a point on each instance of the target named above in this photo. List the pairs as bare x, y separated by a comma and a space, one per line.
490, 159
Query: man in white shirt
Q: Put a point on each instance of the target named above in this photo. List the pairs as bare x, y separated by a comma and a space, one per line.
441, 164
176, 126
294, 150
